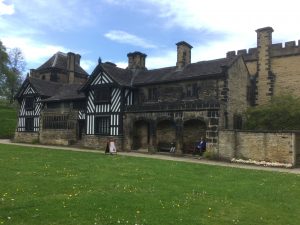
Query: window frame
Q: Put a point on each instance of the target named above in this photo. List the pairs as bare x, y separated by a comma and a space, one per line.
102, 125
29, 103
153, 94
102, 94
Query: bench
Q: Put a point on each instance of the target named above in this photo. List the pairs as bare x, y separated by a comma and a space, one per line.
189, 148
164, 146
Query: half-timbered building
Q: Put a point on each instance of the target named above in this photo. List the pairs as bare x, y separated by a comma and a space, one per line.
108, 91
48, 98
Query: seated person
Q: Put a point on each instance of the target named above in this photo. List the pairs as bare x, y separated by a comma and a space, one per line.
173, 147
201, 146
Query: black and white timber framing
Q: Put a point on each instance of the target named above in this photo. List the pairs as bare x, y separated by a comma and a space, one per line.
108, 114
29, 117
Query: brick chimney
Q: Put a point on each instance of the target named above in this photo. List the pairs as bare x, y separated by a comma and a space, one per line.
183, 54
265, 79
71, 60
136, 61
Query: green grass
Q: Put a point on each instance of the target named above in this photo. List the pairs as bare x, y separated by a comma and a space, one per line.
8, 121
41, 186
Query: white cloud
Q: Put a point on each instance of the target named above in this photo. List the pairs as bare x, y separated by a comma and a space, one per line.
126, 38
6, 9
88, 65
34, 52
55, 14
233, 20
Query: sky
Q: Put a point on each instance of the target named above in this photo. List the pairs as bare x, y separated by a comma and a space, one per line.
110, 29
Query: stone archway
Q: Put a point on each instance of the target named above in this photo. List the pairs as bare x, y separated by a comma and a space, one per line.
141, 135
193, 130
165, 134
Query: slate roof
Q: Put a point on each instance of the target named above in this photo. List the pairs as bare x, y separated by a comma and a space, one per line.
59, 61
126, 77
52, 91
201, 69
67, 92
121, 76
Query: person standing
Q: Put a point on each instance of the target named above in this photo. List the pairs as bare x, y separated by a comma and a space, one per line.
112, 146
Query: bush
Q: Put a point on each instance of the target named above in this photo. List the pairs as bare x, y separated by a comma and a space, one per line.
282, 113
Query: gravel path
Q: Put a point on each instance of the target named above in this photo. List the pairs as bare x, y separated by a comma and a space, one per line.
179, 158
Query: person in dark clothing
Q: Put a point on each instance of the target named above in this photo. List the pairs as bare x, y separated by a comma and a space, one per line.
201, 146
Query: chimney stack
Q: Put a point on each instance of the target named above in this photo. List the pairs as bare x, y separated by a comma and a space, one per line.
71, 66
183, 54
265, 80
136, 61
77, 59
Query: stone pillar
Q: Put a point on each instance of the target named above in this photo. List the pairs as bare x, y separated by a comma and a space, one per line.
179, 137
265, 80
152, 135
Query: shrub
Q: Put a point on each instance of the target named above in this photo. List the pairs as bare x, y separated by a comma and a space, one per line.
282, 113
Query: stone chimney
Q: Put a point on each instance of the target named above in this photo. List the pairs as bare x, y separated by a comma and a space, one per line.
183, 54
77, 59
71, 60
265, 79
136, 61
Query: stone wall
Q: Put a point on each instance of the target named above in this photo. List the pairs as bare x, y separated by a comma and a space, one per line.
26, 137
64, 135
238, 81
99, 142
258, 146
58, 136
287, 72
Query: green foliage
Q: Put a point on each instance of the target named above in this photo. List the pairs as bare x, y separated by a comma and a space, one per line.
40, 186
12, 65
8, 121
282, 113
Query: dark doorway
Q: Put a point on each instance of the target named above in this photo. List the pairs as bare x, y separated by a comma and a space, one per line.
80, 129
140, 135
193, 130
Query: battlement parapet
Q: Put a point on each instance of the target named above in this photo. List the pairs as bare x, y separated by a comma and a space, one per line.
248, 55
289, 48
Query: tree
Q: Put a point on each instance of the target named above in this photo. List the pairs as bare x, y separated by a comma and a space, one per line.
282, 113
16, 69
4, 60
12, 65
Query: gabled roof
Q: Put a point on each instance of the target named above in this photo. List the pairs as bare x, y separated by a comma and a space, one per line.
121, 76
53, 91
59, 61
42, 87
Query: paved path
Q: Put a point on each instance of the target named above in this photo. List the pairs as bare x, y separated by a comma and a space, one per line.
189, 159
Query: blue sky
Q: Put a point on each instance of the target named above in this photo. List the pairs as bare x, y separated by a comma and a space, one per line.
112, 28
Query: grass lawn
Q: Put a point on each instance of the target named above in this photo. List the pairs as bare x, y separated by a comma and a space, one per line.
41, 186
8, 121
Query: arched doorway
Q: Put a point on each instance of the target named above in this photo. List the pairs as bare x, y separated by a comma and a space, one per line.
165, 134
193, 130
140, 135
